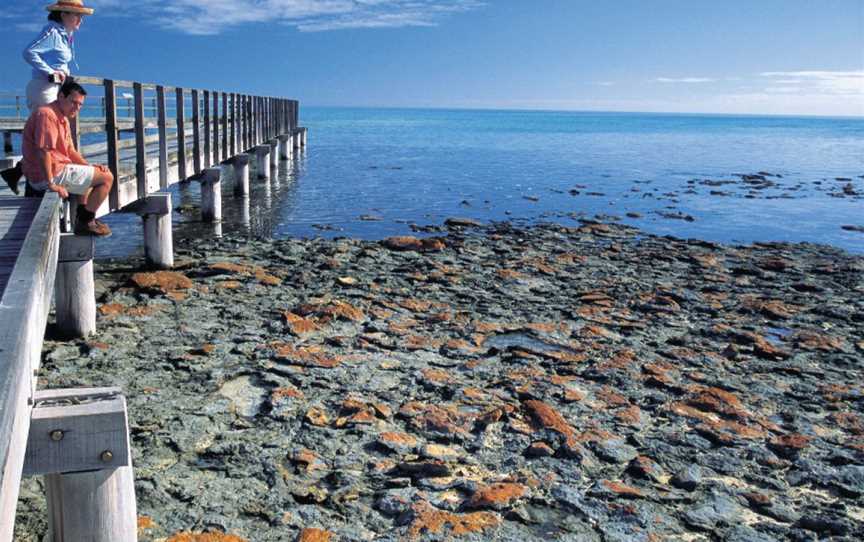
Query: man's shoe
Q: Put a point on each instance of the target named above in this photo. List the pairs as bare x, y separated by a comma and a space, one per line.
12, 176
93, 227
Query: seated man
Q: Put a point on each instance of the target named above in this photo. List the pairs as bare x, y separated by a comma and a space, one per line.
52, 163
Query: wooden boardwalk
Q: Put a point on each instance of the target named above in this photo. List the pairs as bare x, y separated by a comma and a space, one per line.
186, 134
16, 216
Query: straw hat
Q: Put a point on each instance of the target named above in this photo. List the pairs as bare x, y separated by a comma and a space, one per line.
70, 6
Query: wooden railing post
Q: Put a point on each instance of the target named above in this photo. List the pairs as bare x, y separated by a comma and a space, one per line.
216, 153
208, 157
140, 143
233, 123
181, 135
196, 132
111, 140
224, 126
163, 137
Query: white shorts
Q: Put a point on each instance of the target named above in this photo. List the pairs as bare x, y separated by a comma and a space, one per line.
41, 92
76, 179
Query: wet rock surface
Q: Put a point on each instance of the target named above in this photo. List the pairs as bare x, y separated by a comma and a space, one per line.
492, 383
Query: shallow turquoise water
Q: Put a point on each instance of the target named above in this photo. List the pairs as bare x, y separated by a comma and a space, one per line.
394, 167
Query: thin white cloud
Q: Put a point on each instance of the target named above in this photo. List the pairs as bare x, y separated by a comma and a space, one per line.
820, 81
683, 80
210, 17
605, 83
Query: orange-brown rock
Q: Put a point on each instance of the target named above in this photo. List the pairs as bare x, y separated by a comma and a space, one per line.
789, 446
279, 395
299, 325
398, 442
314, 535
317, 416
622, 489
161, 281
810, 340
307, 356
849, 421
496, 496
408, 242
428, 520
204, 537
546, 417
145, 522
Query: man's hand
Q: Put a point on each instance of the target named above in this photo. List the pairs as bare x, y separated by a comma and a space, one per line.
103, 168
61, 191
59, 77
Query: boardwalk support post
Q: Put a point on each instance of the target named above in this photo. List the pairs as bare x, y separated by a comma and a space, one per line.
241, 174
79, 440
155, 211
74, 288
211, 195
262, 152
274, 153
285, 147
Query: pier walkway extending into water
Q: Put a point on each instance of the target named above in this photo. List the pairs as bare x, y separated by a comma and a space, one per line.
78, 438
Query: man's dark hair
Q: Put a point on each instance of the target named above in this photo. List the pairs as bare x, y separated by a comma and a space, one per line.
70, 86
56, 16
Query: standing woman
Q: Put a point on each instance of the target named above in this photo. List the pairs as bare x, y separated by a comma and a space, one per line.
49, 55
52, 51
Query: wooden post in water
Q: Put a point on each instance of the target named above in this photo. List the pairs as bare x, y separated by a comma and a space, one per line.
284, 147
241, 174
74, 289
155, 211
274, 153
262, 152
211, 195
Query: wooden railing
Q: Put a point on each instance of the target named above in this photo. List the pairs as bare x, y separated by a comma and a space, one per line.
182, 135
172, 134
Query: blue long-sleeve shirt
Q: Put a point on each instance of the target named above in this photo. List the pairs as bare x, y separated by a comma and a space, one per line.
51, 51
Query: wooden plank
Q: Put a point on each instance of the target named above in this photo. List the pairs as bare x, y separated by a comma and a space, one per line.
163, 138
196, 133
181, 134
23, 313
208, 157
140, 144
111, 140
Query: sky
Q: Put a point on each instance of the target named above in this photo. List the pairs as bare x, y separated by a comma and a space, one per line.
788, 57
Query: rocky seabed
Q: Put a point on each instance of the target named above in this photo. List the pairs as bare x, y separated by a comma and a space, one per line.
590, 383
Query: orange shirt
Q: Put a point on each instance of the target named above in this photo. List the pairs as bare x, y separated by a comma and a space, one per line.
46, 129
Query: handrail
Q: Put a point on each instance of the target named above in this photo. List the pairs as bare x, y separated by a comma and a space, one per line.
24, 311
220, 126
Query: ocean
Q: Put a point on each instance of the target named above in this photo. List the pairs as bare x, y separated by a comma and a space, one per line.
373, 173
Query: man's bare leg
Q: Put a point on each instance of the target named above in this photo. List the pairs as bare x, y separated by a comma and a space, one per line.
99, 190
